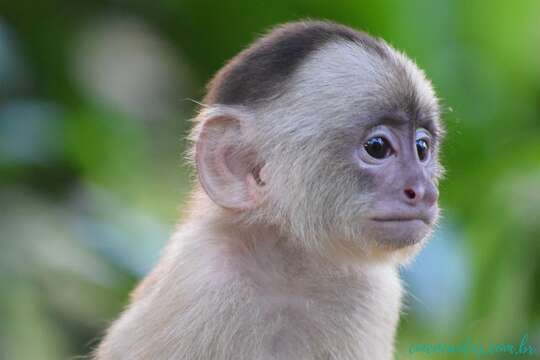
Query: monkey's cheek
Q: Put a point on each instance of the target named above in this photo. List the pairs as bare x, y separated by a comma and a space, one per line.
395, 235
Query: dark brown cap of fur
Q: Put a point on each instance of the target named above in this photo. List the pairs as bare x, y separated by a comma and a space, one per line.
259, 72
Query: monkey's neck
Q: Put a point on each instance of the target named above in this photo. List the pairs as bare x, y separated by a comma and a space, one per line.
302, 295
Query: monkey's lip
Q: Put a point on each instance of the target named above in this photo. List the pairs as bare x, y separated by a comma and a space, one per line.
401, 219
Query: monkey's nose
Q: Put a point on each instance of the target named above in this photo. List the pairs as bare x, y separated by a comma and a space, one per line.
414, 194
410, 193
426, 194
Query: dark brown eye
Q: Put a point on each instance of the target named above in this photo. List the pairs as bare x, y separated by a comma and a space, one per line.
378, 147
422, 148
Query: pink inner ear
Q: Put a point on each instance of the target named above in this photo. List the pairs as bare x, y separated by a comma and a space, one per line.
235, 162
221, 164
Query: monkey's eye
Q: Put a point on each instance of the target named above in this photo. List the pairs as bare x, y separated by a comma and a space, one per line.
378, 147
422, 148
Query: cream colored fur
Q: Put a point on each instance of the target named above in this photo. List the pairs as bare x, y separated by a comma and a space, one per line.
271, 284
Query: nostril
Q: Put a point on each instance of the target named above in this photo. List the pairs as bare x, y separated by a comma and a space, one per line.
410, 193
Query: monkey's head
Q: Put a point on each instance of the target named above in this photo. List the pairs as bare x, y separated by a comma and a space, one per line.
327, 134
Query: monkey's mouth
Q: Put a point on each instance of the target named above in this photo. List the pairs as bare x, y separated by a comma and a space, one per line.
397, 230
402, 219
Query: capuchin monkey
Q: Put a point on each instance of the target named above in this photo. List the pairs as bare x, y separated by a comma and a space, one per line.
316, 152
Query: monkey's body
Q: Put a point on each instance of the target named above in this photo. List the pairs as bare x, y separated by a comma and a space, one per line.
256, 302
317, 160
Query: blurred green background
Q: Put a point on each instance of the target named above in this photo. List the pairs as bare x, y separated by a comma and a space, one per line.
95, 102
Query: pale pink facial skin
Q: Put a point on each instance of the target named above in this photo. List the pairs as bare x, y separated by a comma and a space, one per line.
403, 184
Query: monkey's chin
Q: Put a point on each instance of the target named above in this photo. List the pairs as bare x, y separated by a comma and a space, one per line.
397, 234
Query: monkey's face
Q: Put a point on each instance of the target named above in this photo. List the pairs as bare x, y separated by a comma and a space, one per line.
398, 158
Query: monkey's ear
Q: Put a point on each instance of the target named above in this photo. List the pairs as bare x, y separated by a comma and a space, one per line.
227, 169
